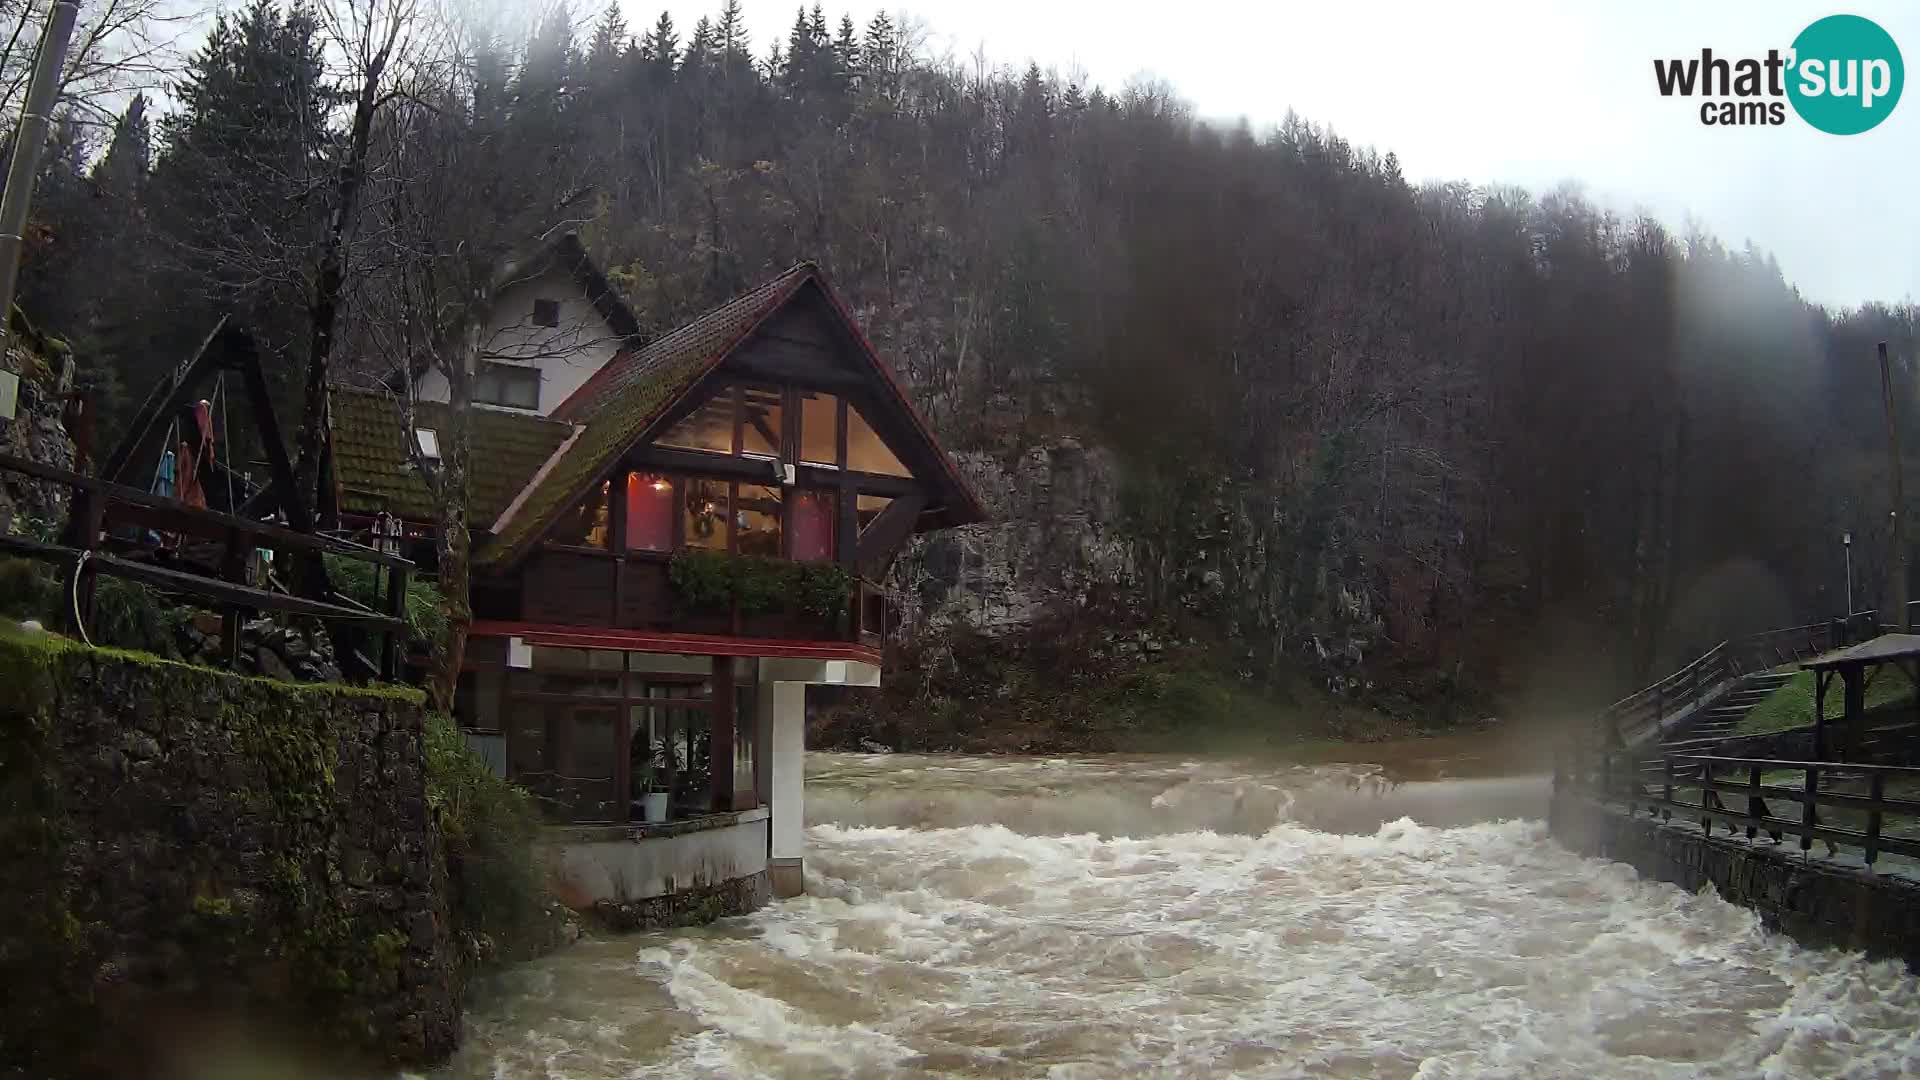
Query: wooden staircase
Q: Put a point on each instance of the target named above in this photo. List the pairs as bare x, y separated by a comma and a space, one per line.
1720, 718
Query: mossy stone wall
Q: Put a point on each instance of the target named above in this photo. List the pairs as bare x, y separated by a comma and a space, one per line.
179, 842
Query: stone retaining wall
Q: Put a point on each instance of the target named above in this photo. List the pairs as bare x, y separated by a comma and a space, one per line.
1816, 902
183, 849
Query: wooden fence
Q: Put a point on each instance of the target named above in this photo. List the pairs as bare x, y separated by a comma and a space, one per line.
1843, 805
81, 554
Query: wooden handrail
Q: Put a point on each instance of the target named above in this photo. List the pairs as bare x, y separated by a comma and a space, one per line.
229, 592
1656, 787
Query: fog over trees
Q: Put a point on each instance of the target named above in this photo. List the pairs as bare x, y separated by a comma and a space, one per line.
1480, 422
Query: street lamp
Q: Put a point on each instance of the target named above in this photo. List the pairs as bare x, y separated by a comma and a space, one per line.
1846, 545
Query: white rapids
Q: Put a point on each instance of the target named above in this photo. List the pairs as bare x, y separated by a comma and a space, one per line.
1093, 917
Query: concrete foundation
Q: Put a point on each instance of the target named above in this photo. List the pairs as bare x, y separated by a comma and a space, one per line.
788, 878
624, 864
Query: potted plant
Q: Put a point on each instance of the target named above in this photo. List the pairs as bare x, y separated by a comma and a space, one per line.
650, 767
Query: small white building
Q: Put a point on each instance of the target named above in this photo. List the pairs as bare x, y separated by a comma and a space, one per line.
672, 539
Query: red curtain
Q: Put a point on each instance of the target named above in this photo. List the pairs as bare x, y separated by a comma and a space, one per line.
813, 518
649, 512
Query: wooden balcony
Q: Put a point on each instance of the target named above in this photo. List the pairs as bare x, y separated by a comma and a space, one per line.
588, 587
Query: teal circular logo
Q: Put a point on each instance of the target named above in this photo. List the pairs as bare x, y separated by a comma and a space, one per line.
1846, 76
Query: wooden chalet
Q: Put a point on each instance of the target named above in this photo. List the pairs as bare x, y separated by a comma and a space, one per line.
672, 539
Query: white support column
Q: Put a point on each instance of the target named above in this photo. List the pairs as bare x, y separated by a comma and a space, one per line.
783, 711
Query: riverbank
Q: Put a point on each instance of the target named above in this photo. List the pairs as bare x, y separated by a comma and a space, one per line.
974, 694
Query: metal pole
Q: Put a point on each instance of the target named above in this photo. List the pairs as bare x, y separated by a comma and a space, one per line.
1846, 545
1899, 511
28, 139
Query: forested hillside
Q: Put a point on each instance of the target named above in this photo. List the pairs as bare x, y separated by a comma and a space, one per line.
1249, 388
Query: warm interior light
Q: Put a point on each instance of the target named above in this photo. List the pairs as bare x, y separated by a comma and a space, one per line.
661, 485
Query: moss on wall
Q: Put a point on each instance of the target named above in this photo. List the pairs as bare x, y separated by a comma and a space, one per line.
177, 838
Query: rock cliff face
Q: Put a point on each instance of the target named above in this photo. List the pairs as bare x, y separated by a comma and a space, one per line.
184, 853
1050, 547
35, 432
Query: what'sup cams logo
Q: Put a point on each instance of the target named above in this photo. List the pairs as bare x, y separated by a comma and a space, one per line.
1843, 75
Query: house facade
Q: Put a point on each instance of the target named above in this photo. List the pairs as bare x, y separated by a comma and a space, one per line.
669, 548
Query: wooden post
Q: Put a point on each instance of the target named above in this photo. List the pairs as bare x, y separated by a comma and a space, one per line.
1707, 799
84, 518
1820, 714
1902, 618
394, 640
1853, 714
1877, 793
1666, 788
1755, 808
1807, 817
723, 729
233, 568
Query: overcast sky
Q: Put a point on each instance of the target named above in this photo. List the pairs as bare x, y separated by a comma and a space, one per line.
1500, 91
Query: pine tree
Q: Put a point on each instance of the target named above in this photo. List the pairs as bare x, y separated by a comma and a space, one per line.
846, 47
661, 49
608, 45
730, 34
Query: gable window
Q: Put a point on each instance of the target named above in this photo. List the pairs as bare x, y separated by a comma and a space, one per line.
546, 313
649, 512
511, 385
760, 414
865, 450
709, 427
819, 428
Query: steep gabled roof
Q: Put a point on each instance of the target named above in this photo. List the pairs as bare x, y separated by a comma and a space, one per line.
626, 398
621, 400
374, 470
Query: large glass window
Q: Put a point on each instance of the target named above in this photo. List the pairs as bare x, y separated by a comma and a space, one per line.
588, 524
757, 519
707, 514
649, 512
819, 428
709, 427
760, 420
865, 450
813, 525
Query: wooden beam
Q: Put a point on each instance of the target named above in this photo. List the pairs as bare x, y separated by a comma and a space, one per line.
886, 532
215, 590
166, 396
210, 524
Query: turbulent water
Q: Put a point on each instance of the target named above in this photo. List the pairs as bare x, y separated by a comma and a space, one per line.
1151, 916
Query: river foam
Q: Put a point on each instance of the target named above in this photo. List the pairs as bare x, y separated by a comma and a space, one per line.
1104, 929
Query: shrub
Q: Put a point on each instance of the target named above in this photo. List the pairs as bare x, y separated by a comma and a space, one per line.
713, 581
128, 615
491, 827
29, 590
363, 582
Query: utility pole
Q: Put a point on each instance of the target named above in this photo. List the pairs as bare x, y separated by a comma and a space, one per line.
29, 136
1903, 618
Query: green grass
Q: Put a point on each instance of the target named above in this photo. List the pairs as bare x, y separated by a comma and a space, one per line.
1791, 706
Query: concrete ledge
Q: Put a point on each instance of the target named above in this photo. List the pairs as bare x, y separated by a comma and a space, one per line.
634, 831
1821, 902
788, 877
689, 907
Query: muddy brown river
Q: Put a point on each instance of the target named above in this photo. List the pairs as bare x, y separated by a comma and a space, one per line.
1401, 913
